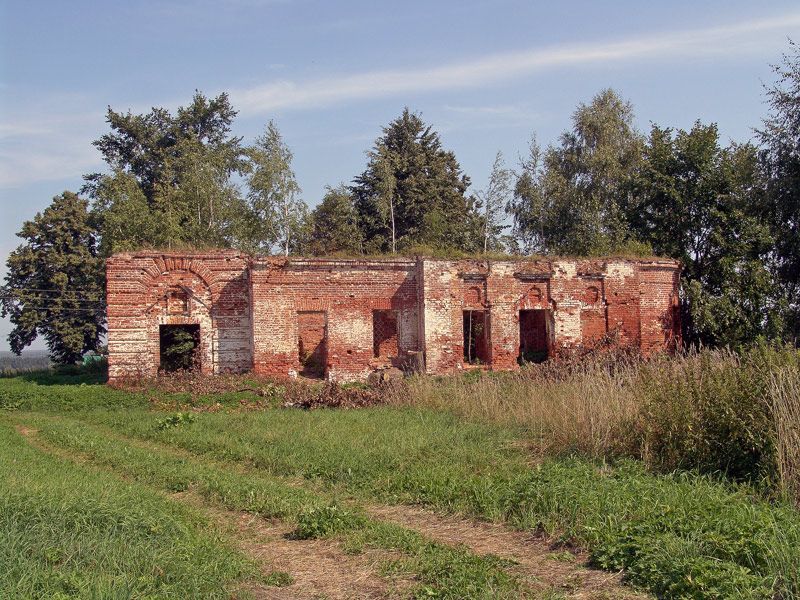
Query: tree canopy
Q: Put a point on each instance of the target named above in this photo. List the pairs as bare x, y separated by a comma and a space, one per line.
54, 286
780, 161
170, 181
413, 192
571, 198
276, 215
334, 224
700, 203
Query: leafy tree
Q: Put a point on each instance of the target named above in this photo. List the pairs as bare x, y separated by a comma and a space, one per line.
572, 197
277, 214
124, 216
527, 206
492, 202
700, 203
413, 192
54, 284
142, 145
182, 165
334, 224
780, 160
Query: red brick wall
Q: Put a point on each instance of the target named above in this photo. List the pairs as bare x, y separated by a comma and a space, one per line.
254, 312
149, 289
347, 291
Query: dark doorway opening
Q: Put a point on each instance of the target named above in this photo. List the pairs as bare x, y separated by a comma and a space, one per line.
312, 343
476, 337
179, 348
533, 335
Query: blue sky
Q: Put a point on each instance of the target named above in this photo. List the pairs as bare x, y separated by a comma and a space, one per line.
485, 74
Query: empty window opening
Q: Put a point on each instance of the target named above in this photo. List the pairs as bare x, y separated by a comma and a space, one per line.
179, 348
312, 343
384, 334
533, 335
476, 337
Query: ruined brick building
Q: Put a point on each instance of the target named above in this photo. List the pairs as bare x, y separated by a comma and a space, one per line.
342, 319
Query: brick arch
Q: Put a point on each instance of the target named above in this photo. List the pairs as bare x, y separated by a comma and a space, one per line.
592, 295
536, 297
166, 264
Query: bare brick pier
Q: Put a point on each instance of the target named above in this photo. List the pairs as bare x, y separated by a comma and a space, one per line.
343, 319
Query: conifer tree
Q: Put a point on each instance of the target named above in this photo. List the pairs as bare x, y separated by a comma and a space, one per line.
413, 192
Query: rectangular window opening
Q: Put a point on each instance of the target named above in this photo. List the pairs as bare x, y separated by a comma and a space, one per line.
179, 348
534, 335
312, 343
385, 342
476, 337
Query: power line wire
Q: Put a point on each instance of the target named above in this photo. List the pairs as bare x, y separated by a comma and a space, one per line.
61, 310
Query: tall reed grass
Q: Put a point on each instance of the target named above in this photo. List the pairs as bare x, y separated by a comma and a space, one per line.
713, 411
785, 397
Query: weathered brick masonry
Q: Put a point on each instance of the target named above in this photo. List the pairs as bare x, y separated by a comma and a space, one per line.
343, 319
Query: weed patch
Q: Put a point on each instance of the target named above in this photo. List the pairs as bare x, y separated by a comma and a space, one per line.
324, 521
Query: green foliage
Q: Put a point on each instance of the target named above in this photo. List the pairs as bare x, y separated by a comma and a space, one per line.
143, 145
67, 531
780, 162
334, 225
698, 202
712, 413
170, 181
175, 420
413, 191
178, 348
325, 521
492, 203
679, 535
572, 197
276, 215
260, 492
54, 286
62, 392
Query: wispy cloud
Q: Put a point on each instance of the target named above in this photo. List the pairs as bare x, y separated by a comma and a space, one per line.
730, 40
47, 148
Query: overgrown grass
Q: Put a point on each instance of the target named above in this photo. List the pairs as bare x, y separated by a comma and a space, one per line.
713, 411
678, 535
542, 450
316, 514
66, 531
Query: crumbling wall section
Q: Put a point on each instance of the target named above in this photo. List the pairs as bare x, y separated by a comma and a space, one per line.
148, 289
583, 300
266, 313
348, 292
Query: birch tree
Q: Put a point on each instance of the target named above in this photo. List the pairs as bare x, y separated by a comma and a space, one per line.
276, 211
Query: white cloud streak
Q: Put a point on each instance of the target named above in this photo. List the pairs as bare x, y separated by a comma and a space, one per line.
47, 148
748, 37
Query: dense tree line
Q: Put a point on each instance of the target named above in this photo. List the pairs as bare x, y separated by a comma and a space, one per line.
729, 213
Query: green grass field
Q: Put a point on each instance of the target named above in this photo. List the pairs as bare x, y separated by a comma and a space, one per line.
103, 497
